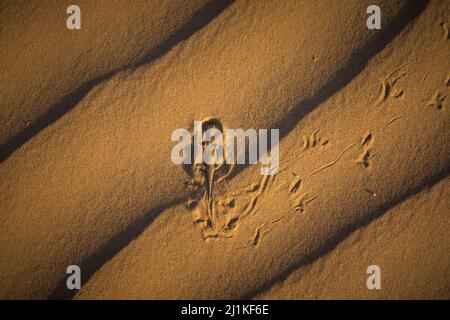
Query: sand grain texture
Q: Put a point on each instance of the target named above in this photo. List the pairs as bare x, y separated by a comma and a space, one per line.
403, 156
364, 128
418, 271
47, 69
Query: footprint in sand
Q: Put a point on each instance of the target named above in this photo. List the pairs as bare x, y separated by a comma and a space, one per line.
209, 212
256, 238
295, 184
367, 151
219, 215
390, 88
313, 140
437, 100
299, 200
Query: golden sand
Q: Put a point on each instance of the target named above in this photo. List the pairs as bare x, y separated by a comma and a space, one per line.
363, 118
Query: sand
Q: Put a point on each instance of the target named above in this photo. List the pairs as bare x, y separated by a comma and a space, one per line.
47, 69
364, 126
418, 271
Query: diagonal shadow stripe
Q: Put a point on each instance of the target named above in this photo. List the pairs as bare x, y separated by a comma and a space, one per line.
355, 64
200, 19
97, 259
333, 242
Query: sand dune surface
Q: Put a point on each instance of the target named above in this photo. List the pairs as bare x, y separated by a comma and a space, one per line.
362, 179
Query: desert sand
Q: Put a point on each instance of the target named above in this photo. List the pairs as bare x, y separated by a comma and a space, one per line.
47, 69
364, 124
411, 271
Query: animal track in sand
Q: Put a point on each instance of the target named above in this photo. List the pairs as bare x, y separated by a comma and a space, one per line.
389, 86
254, 241
259, 233
313, 140
218, 216
332, 163
300, 200
445, 28
295, 184
390, 90
367, 151
392, 120
437, 100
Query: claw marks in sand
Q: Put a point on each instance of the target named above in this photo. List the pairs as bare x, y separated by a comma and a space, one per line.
257, 236
259, 232
295, 184
250, 203
367, 151
219, 215
299, 202
300, 199
313, 140
390, 88
445, 28
437, 100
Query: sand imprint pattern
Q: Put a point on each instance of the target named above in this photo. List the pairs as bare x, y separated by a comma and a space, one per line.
313, 140
218, 216
363, 119
390, 88
367, 151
